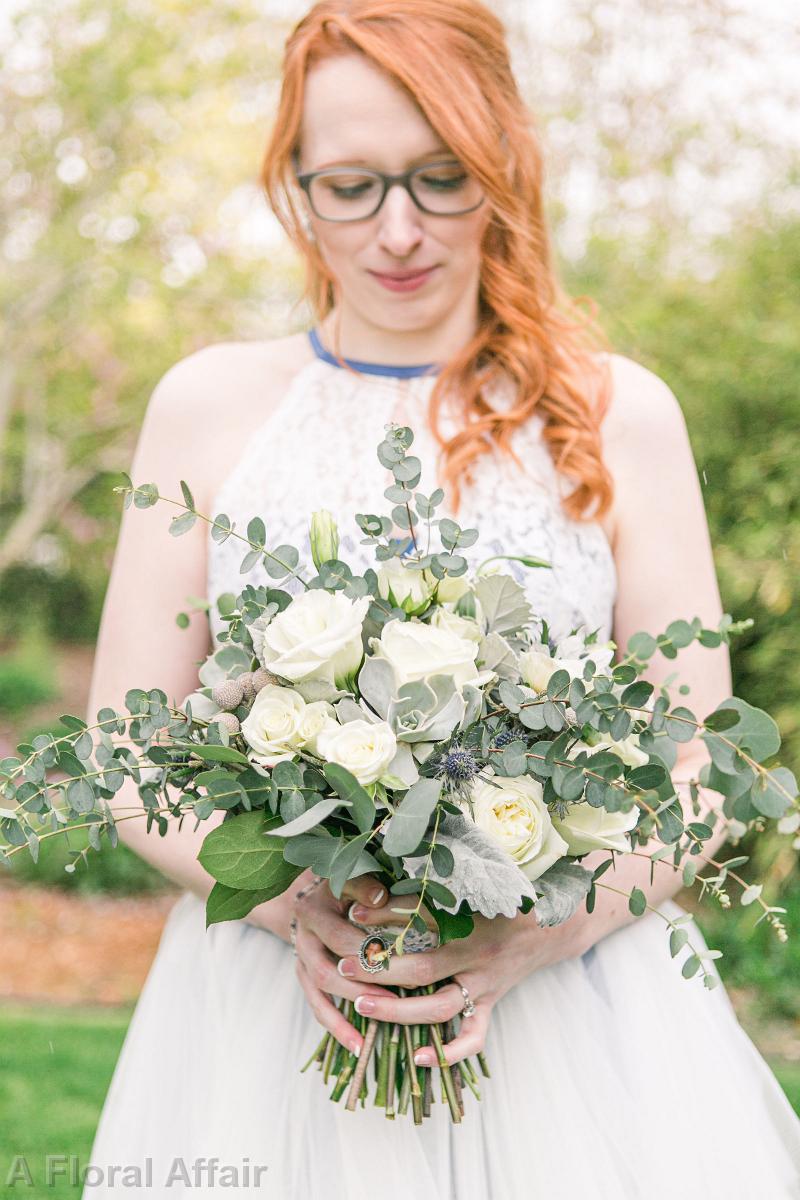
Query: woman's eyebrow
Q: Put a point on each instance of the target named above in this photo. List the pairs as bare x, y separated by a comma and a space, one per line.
443, 152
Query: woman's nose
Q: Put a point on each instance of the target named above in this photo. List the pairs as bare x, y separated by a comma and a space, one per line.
399, 222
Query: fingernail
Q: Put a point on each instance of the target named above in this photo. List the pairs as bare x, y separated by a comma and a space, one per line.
346, 967
364, 1006
421, 1058
356, 1049
358, 913
377, 897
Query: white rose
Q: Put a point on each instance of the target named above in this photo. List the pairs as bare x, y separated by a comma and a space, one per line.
463, 627
572, 654
404, 587
586, 828
365, 748
316, 638
271, 726
537, 665
314, 717
513, 813
625, 748
416, 651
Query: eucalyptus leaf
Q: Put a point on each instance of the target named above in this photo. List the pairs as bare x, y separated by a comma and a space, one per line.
310, 818
406, 827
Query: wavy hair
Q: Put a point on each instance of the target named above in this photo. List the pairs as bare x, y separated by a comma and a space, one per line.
529, 329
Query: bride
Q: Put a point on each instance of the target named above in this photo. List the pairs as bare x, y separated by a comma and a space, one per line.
404, 167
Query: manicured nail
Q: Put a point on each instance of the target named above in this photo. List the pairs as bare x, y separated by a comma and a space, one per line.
377, 897
421, 1058
356, 1049
346, 967
358, 913
364, 1006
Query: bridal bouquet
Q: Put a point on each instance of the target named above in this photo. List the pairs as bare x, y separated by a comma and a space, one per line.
420, 723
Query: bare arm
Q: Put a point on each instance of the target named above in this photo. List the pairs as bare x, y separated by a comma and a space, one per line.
666, 571
139, 643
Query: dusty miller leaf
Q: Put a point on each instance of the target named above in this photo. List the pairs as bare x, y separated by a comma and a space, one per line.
483, 874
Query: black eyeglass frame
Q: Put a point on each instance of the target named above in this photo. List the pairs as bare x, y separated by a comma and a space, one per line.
387, 181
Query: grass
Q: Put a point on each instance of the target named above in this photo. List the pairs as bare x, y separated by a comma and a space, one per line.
55, 1068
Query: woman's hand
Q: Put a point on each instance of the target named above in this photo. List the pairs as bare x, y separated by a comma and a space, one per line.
496, 956
323, 935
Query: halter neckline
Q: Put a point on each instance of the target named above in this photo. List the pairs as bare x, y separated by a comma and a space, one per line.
370, 368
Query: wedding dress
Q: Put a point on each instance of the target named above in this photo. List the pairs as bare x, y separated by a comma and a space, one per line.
613, 1078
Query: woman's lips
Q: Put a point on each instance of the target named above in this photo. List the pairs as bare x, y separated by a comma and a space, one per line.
409, 283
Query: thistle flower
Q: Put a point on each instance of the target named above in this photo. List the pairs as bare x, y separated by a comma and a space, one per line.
457, 767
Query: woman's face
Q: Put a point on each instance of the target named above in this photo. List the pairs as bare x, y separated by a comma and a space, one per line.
354, 116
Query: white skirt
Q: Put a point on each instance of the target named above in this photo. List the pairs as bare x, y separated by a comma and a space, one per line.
613, 1078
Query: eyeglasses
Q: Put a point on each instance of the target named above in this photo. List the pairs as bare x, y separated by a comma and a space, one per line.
354, 193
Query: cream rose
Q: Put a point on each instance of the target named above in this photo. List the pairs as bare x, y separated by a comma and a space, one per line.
416, 651
537, 666
572, 655
314, 717
316, 638
271, 727
404, 587
463, 627
513, 813
586, 828
365, 748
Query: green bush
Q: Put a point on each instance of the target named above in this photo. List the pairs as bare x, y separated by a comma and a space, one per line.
116, 871
27, 671
68, 604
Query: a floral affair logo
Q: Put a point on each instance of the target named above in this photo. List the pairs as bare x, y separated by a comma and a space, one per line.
177, 1172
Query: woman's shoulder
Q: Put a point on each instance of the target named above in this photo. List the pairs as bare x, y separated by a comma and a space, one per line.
215, 397
225, 371
642, 406
644, 438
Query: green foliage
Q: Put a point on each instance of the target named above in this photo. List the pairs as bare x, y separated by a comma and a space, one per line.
27, 671
729, 350
111, 871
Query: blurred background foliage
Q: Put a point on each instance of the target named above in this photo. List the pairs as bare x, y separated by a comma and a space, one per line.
130, 137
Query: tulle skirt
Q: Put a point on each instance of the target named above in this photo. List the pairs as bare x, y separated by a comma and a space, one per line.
613, 1078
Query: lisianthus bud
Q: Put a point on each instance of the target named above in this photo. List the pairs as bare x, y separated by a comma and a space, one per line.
324, 537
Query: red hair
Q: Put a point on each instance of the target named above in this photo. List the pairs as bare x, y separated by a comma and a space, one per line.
529, 329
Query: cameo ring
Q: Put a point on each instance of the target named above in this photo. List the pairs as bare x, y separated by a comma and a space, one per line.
373, 953
469, 1005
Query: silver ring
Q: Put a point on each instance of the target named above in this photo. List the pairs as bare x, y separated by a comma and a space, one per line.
373, 953
469, 1005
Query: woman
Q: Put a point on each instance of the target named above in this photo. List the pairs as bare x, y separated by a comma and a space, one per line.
404, 167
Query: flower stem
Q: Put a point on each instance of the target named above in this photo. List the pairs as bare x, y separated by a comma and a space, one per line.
363, 1063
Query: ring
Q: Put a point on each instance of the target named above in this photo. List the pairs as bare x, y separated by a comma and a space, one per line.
373, 953
469, 1005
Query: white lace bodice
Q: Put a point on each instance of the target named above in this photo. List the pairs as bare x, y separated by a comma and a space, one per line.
317, 449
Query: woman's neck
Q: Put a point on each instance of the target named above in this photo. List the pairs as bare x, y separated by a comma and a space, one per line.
351, 338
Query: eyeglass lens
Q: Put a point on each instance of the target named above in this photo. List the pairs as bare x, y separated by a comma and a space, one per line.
353, 194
